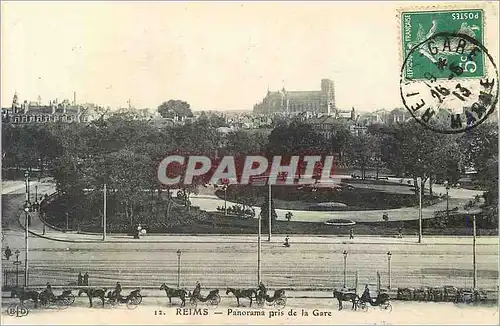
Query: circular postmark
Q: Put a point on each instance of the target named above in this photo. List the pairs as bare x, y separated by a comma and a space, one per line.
440, 85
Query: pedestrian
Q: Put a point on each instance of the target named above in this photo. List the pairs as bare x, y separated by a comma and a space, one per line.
400, 232
86, 279
139, 229
80, 279
351, 233
8, 253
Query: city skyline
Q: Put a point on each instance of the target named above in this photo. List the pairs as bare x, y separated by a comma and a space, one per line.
218, 56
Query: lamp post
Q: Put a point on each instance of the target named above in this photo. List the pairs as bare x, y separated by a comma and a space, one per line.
469, 206
259, 235
178, 268
389, 254
27, 183
67, 222
447, 186
420, 189
17, 263
225, 200
26, 226
345, 267
474, 264
270, 211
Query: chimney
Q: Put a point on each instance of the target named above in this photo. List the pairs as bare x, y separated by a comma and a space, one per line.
74, 98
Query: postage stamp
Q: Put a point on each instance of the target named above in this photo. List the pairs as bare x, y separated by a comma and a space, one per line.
249, 163
449, 81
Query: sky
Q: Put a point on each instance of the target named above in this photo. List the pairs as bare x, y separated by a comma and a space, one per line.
218, 55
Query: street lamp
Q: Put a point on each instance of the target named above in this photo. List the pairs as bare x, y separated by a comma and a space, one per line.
468, 207
474, 264
178, 268
389, 254
447, 186
225, 200
27, 183
26, 227
345, 266
17, 263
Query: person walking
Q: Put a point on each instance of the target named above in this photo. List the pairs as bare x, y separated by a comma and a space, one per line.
400, 232
139, 229
8, 253
80, 279
351, 233
86, 279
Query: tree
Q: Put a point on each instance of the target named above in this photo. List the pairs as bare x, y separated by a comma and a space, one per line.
214, 119
481, 152
242, 142
419, 152
295, 138
173, 108
364, 152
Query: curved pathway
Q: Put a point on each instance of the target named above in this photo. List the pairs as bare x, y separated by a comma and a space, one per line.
458, 197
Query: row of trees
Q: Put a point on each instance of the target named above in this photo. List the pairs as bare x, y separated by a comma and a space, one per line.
123, 153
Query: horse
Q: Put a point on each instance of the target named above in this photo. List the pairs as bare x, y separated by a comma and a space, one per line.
175, 293
94, 293
24, 295
242, 293
346, 296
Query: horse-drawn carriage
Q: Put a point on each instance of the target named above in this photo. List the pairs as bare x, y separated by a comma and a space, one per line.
421, 294
278, 299
405, 294
62, 301
436, 294
469, 295
382, 301
132, 300
213, 298
450, 293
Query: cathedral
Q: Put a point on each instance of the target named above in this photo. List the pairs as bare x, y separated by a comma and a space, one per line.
293, 102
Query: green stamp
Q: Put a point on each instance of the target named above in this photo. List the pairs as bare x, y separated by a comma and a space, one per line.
423, 60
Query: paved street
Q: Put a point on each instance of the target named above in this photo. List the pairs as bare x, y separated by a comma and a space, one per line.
156, 311
311, 262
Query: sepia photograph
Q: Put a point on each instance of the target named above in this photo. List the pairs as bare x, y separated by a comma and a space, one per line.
249, 163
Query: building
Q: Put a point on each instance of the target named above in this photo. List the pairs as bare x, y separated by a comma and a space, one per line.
35, 112
384, 117
293, 102
328, 125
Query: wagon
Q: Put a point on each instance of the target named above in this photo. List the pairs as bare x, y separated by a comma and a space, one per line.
421, 294
465, 295
436, 294
450, 293
405, 294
